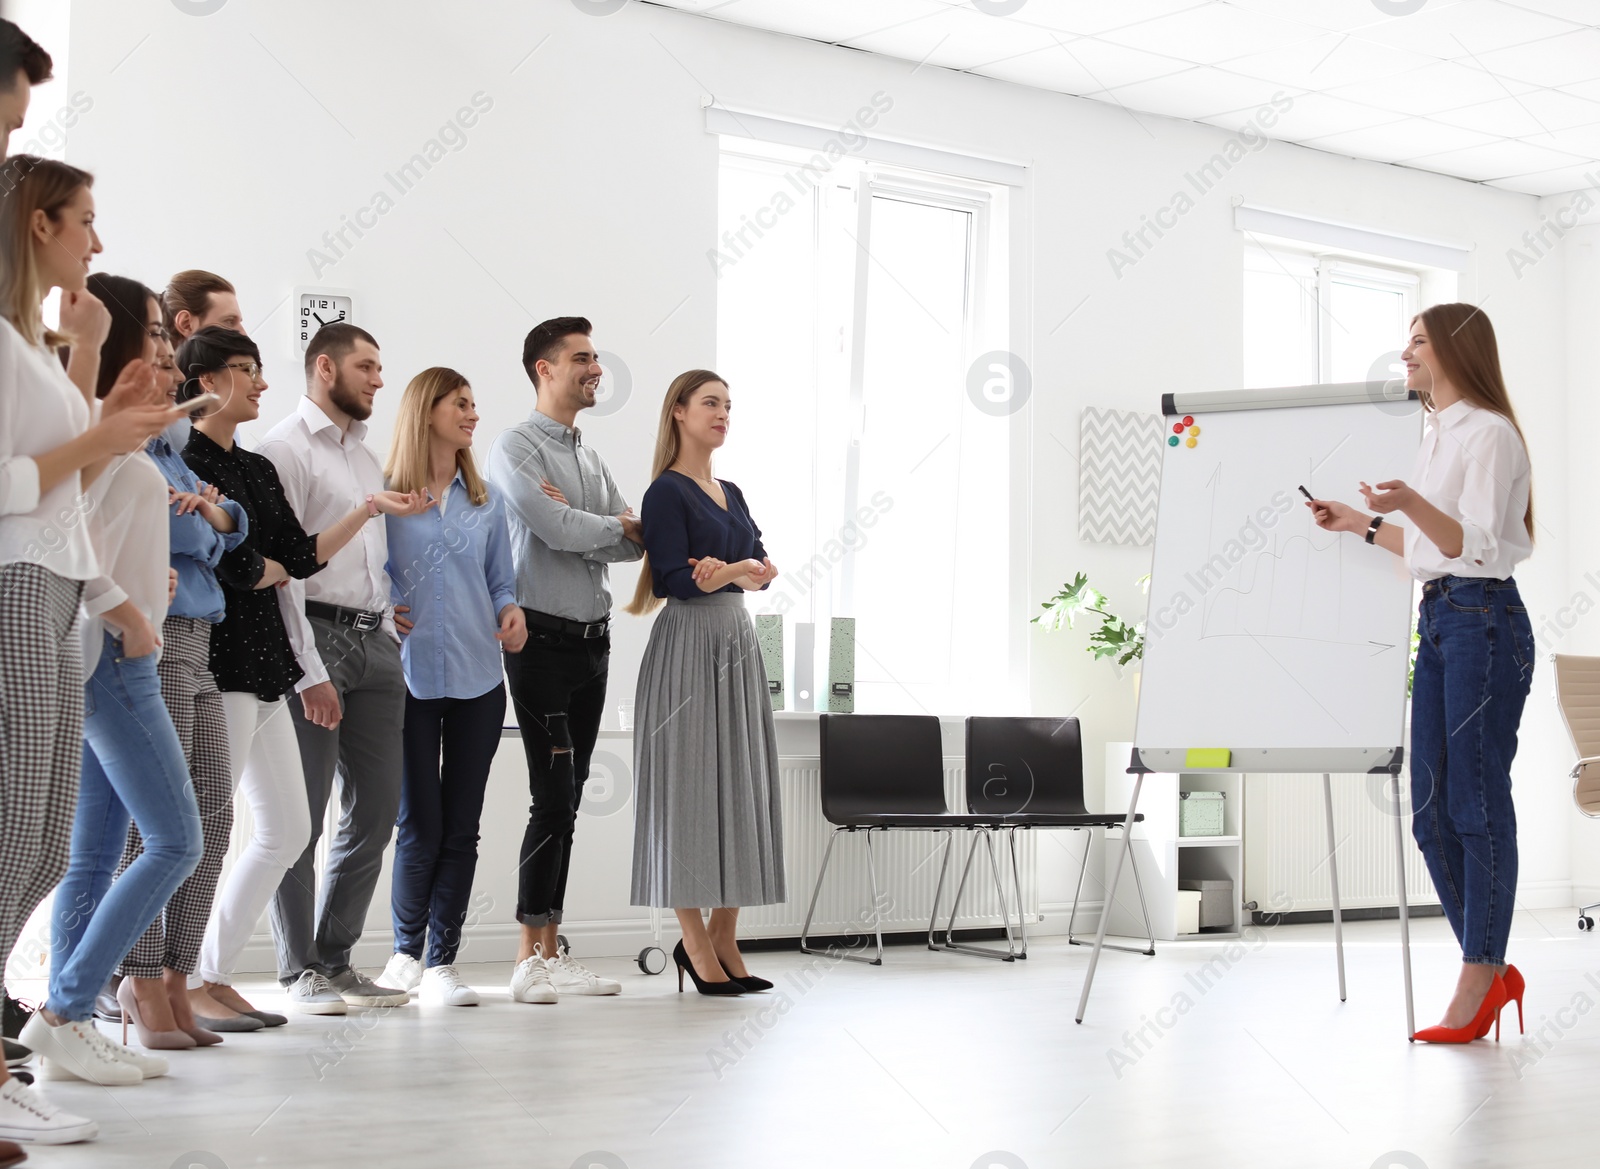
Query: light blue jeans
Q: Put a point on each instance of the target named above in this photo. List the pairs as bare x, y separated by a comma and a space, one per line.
132, 765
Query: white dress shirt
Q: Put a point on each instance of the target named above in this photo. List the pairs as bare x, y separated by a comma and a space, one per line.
40, 409
324, 475
1474, 468
132, 537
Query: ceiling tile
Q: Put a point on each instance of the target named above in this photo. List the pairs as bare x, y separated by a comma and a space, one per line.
1579, 140
831, 21
1326, 61
1553, 182
1313, 115
1495, 160
1442, 86
1217, 32
1560, 61
1332, 15
1539, 112
1108, 65
1579, 11
956, 38
1077, 17
1195, 93
1471, 26
1399, 140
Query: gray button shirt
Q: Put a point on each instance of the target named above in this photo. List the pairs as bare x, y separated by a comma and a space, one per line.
560, 550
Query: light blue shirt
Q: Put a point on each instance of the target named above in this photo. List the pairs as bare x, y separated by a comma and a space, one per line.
196, 545
452, 566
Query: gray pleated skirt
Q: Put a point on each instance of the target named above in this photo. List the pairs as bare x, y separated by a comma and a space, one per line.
707, 824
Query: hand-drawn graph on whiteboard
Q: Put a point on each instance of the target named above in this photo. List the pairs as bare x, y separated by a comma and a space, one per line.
1263, 630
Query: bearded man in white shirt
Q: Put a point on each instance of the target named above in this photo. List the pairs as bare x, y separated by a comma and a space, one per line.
351, 705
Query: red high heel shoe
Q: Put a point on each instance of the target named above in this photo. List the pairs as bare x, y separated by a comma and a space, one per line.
1514, 988
1488, 1012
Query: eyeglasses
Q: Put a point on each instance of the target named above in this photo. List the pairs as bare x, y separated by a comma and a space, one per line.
250, 369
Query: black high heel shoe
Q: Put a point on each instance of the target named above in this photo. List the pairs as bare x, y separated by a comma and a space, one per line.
750, 981
681, 957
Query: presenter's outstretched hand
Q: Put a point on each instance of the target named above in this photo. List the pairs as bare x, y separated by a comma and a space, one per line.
1332, 516
1390, 495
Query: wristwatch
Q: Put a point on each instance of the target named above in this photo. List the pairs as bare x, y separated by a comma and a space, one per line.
1372, 528
372, 513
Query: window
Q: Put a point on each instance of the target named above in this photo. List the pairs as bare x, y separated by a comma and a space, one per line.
1310, 319
850, 308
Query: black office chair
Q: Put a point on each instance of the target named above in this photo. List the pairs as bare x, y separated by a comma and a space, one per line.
1028, 772
885, 773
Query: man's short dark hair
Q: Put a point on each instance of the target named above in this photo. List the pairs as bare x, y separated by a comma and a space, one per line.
336, 340
544, 340
209, 350
20, 51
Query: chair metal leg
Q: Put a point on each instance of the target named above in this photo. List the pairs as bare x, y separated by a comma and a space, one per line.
1144, 909
1111, 894
1333, 877
1016, 885
1007, 955
1077, 894
938, 890
805, 930
827, 856
877, 918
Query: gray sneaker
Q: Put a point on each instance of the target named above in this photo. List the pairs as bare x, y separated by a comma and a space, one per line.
312, 994
360, 991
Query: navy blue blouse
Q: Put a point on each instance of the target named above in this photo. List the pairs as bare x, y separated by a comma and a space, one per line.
680, 520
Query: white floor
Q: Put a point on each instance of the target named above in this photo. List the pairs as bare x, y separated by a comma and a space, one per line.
931, 1060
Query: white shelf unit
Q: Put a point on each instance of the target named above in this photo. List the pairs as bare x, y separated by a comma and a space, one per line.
1163, 856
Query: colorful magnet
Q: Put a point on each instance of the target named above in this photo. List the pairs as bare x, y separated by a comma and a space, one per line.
1173, 440
1194, 431
1190, 441
1188, 419
1177, 427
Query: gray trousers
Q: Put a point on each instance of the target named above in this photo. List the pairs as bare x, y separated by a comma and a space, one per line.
364, 754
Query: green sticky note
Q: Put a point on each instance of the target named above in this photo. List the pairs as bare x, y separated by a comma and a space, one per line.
1207, 757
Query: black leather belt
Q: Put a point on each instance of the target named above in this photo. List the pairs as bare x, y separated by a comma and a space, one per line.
581, 629
361, 620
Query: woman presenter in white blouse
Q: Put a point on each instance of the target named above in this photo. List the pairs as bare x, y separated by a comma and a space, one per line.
1470, 508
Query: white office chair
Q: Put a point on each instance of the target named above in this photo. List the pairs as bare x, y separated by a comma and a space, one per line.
1578, 696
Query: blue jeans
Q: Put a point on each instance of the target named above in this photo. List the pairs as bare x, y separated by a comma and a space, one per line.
449, 745
132, 765
1474, 667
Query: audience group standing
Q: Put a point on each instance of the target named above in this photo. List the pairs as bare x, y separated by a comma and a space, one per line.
168, 596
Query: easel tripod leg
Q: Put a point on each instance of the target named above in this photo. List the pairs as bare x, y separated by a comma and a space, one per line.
1333, 876
1111, 894
1405, 919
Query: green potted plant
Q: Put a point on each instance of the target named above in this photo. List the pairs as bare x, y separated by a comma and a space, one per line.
1121, 641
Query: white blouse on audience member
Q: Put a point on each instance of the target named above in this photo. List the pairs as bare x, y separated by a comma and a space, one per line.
1474, 467
129, 526
40, 410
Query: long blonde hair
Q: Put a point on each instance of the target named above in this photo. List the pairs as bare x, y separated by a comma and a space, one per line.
1463, 342
30, 183
683, 386
407, 468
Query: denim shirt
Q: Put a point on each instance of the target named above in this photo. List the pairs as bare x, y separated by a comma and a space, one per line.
196, 545
452, 565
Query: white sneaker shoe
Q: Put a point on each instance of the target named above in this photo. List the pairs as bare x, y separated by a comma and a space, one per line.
76, 1051
403, 971
530, 982
569, 976
442, 986
314, 995
28, 1117
150, 1066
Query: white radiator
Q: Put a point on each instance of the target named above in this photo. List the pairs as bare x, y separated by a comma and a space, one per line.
1286, 843
907, 865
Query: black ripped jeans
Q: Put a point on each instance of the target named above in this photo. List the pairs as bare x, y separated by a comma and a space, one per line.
558, 690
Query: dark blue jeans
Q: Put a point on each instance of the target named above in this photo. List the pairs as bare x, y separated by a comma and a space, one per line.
448, 746
1474, 667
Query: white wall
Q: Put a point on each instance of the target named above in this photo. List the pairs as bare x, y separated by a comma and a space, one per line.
234, 141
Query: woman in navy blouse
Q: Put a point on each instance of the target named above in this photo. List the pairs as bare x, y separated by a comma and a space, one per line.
707, 828
450, 572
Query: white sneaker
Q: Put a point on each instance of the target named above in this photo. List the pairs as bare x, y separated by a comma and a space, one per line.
150, 1066
442, 986
530, 982
403, 971
76, 1051
569, 976
27, 1116
314, 995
